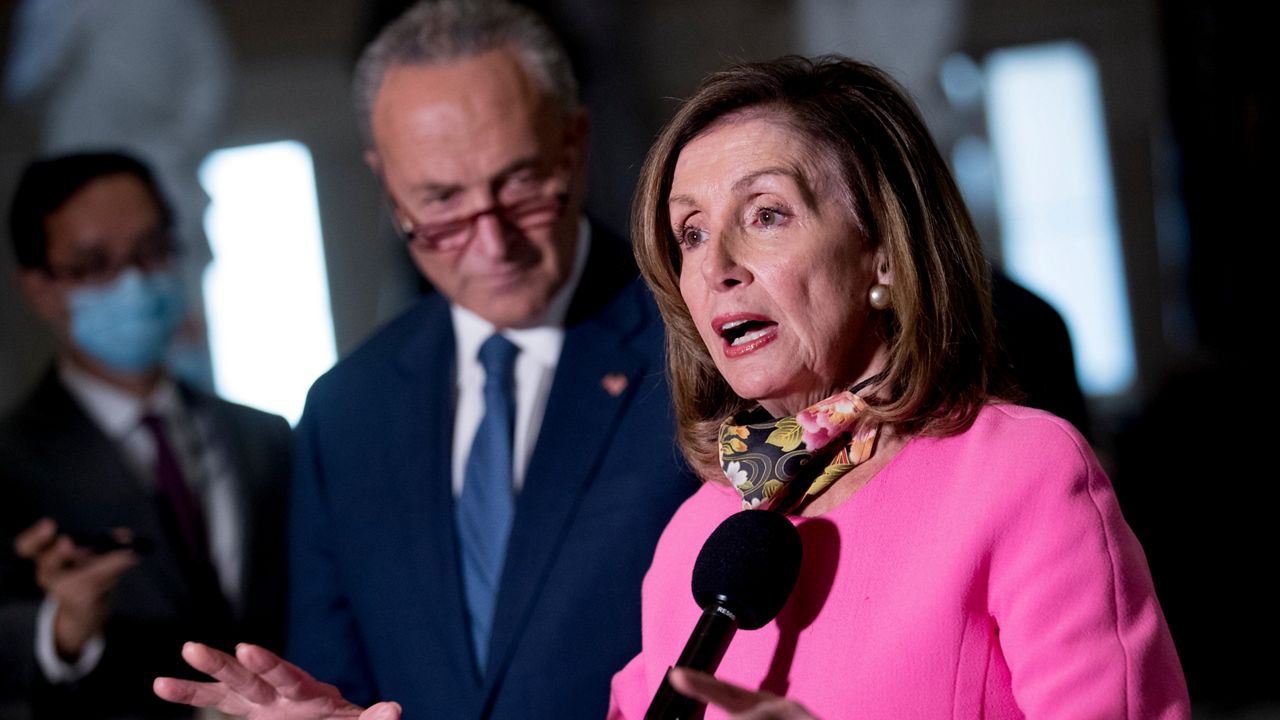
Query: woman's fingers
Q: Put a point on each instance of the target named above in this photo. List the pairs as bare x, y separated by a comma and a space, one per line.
258, 684
260, 659
289, 680
230, 672
704, 687
382, 711
743, 703
197, 694
775, 709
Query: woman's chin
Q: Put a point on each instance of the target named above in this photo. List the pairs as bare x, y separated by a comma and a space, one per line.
782, 404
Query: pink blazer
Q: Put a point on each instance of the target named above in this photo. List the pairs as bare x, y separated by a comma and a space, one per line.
984, 575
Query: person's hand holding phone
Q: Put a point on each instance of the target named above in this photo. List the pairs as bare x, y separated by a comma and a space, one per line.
78, 578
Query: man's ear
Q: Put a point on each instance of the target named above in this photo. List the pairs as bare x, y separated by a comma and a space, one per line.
40, 291
577, 130
374, 161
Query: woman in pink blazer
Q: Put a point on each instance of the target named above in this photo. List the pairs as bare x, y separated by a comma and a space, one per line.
830, 350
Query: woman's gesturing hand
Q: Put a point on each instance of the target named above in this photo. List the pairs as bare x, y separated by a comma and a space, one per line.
744, 704
258, 685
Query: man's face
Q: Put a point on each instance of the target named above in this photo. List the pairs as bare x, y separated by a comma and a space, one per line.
110, 224
488, 169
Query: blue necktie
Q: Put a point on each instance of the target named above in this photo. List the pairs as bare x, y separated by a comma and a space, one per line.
487, 504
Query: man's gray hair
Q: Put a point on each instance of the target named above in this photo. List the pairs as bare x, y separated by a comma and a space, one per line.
440, 31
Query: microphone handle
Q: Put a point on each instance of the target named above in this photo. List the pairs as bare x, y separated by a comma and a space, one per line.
704, 651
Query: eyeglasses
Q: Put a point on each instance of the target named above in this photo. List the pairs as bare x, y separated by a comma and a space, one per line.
448, 235
520, 202
152, 251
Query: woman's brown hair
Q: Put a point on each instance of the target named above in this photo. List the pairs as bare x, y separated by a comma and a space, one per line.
939, 328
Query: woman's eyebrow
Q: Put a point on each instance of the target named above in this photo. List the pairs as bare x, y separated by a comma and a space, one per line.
746, 181
686, 200
799, 178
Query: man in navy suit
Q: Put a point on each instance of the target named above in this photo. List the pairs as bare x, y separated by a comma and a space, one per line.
406, 586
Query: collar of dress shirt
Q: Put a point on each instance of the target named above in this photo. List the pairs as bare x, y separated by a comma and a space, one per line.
542, 341
116, 411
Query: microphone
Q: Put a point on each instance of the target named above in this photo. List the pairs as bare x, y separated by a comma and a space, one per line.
743, 576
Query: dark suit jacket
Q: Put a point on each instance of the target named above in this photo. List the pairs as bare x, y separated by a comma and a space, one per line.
377, 605
54, 461
1035, 351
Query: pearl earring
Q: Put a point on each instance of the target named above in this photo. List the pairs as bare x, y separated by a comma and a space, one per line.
879, 297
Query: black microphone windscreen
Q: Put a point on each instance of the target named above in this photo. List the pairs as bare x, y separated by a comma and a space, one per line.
749, 565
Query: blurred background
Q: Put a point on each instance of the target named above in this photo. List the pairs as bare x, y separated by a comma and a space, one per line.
1117, 156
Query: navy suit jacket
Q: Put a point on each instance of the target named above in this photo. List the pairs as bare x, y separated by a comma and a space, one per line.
377, 605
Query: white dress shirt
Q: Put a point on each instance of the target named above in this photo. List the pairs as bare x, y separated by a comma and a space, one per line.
534, 371
205, 465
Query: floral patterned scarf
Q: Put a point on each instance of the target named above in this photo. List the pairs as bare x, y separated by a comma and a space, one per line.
781, 464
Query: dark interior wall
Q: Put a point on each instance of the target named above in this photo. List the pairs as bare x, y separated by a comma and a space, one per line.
1123, 38
24, 346
1222, 102
1198, 491
293, 77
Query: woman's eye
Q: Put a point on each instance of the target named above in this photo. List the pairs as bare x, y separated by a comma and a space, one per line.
690, 237
769, 217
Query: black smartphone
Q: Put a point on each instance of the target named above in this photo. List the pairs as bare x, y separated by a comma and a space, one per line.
105, 541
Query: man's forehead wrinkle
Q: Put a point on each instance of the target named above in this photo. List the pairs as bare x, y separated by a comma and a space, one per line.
444, 126
433, 130
450, 148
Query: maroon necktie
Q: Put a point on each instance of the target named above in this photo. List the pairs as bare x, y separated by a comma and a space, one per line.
209, 611
176, 497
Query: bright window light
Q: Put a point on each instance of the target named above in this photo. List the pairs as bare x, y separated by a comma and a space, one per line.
266, 292
1056, 201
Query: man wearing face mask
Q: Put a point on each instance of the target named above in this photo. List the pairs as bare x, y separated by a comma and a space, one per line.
137, 512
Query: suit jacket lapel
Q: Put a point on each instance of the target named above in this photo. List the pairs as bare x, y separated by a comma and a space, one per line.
59, 422
257, 451
232, 443
422, 535
594, 381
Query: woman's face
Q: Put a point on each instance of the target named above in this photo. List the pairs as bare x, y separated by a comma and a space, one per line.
775, 271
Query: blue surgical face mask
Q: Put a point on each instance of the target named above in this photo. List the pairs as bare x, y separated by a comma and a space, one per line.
128, 323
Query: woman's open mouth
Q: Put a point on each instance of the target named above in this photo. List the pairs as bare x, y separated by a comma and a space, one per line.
744, 333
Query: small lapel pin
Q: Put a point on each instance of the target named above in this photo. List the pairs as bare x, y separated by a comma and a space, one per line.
614, 383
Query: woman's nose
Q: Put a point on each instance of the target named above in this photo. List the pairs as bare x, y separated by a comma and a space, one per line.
721, 267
